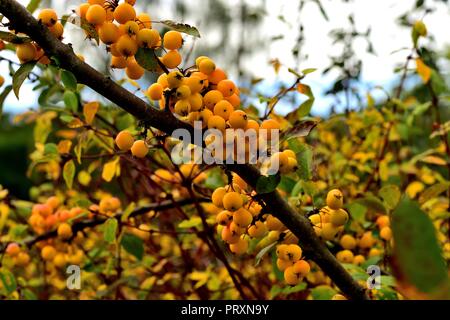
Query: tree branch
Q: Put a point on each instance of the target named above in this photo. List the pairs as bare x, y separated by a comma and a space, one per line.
22, 21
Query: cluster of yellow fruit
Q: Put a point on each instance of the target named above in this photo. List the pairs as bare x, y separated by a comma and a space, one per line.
126, 142
239, 218
19, 257
289, 261
124, 31
366, 243
330, 221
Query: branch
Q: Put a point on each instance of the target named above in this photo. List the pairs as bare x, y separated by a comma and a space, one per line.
22, 21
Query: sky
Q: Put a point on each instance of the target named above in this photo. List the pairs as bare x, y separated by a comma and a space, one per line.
380, 15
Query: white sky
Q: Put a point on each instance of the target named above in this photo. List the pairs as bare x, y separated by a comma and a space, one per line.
378, 69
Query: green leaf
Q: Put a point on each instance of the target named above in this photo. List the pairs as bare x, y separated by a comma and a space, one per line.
147, 59
69, 173
357, 212
418, 258
20, 75
323, 292
304, 160
263, 252
110, 230
33, 5
433, 191
70, 100
50, 149
391, 195
305, 108
192, 222
133, 245
8, 280
278, 273
372, 202
181, 27
267, 184
12, 38
3, 97
308, 70
28, 294
69, 80
287, 184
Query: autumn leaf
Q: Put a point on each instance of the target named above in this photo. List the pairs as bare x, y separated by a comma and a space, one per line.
423, 70
90, 110
110, 169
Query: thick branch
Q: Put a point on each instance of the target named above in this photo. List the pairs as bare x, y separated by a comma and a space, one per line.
21, 20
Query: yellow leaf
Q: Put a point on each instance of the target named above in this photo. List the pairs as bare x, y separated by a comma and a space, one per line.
434, 160
64, 146
84, 178
75, 123
89, 110
110, 169
423, 70
4, 212
414, 188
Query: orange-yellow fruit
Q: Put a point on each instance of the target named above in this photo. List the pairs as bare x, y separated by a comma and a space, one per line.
224, 217
291, 277
127, 46
232, 201
223, 109
194, 83
172, 59
226, 87
53, 202
57, 30
134, 70
148, 38
124, 140
211, 98
118, 62
234, 100
23, 259
2, 80
216, 122
82, 10
144, 21
386, 233
345, 256
366, 240
60, 260
172, 40
217, 196
183, 92
99, 2
383, 221
329, 231
124, 13
155, 91
12, 249
240, 247
338, 217
131, 28
273, 223
162, 80
26, 52
270, 124
182, 107
108, 33
258, 230
359, 259
206, 66
48, 253
282, 265
64, 231
174, 79
216, 76
348, 242
293, 252
228, 236
96, 14
242, 218
302, 267
139, 149
196, 101
48, 17
335, 199
374, 252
